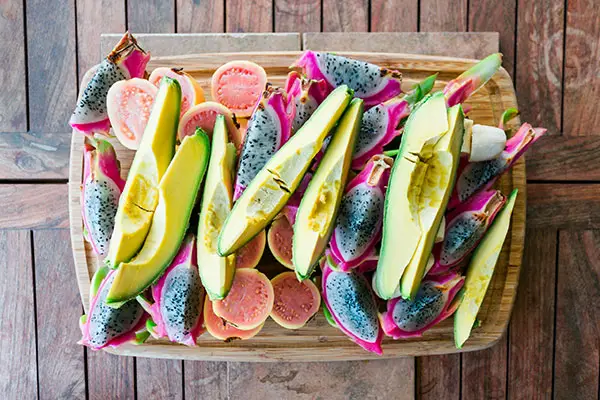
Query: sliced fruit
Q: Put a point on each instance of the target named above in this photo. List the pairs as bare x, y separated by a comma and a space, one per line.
280, 238
221, 330
329, 317
238, 85
249, 302
203, 116
216, 272
295, 302
177, 193
140, 196
480, 272
191, 92
250, 254
274, 184
318, 209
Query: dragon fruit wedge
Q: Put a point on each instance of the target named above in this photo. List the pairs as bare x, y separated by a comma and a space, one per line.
178, 299
307, 95
432, 304
459, 89
477, 176
107, 326
351, 303
465, 228
269, 128
127, 60
100, 191
360, 218
370, 82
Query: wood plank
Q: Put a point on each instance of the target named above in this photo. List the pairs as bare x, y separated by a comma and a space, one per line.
110, 376
17, 317
443, 16
572, 158
297, 16
111, 13
21, 206
532, 324
249, 16
61, 363
582, 63
151, 16
13, 97
488, 16
159, 379
466, 44
484, 372
393, 16
346, 16
326, 380
438, 377
192, 16
577, 309
205, 380
539, 57
563, 206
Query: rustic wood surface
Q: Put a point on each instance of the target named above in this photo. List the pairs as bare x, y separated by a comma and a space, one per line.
551, 50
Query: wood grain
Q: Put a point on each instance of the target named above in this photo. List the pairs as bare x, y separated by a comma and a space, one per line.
563, 206
484, 373
21, 206
249, 16
152, 16
200, 16
570, 158
539, 57
159, 379
438, 377
57, 325
110, 376
577, 343
346, 16
582, 63
443, 15
13, 97
17, 317
532, 324
394, 15
488, 16
205, 380
297, 16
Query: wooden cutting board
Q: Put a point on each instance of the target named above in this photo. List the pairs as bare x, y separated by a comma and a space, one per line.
317, 340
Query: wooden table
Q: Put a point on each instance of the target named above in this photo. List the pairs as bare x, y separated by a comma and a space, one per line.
552, 349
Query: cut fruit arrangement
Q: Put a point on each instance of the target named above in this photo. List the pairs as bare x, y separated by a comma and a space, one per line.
379, 205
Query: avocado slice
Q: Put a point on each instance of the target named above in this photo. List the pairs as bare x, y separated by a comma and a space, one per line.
140, 195
177, 194
420, 183
274, 184
321, 201
216, 272
480, 271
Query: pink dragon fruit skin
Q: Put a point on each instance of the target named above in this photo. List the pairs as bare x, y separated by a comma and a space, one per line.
460, 88
178, 299
360, 218
351, 302
106, 326
127, 60
268, 129
433, 304
477, 176
307, 95
100, 191
370, 82
466, 225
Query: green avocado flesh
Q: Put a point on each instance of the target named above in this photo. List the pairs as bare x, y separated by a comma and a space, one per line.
216, 272
177, 193
140, 195
421, 181
320, 203
274, 184
480, 272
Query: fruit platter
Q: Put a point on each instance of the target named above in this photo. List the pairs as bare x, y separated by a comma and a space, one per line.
297, 206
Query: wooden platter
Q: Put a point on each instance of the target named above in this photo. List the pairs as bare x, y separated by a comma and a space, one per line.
318, 341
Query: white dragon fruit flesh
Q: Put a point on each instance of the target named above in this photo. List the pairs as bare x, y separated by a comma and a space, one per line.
307, 94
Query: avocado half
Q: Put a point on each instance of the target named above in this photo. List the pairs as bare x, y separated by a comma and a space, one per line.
140, 195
